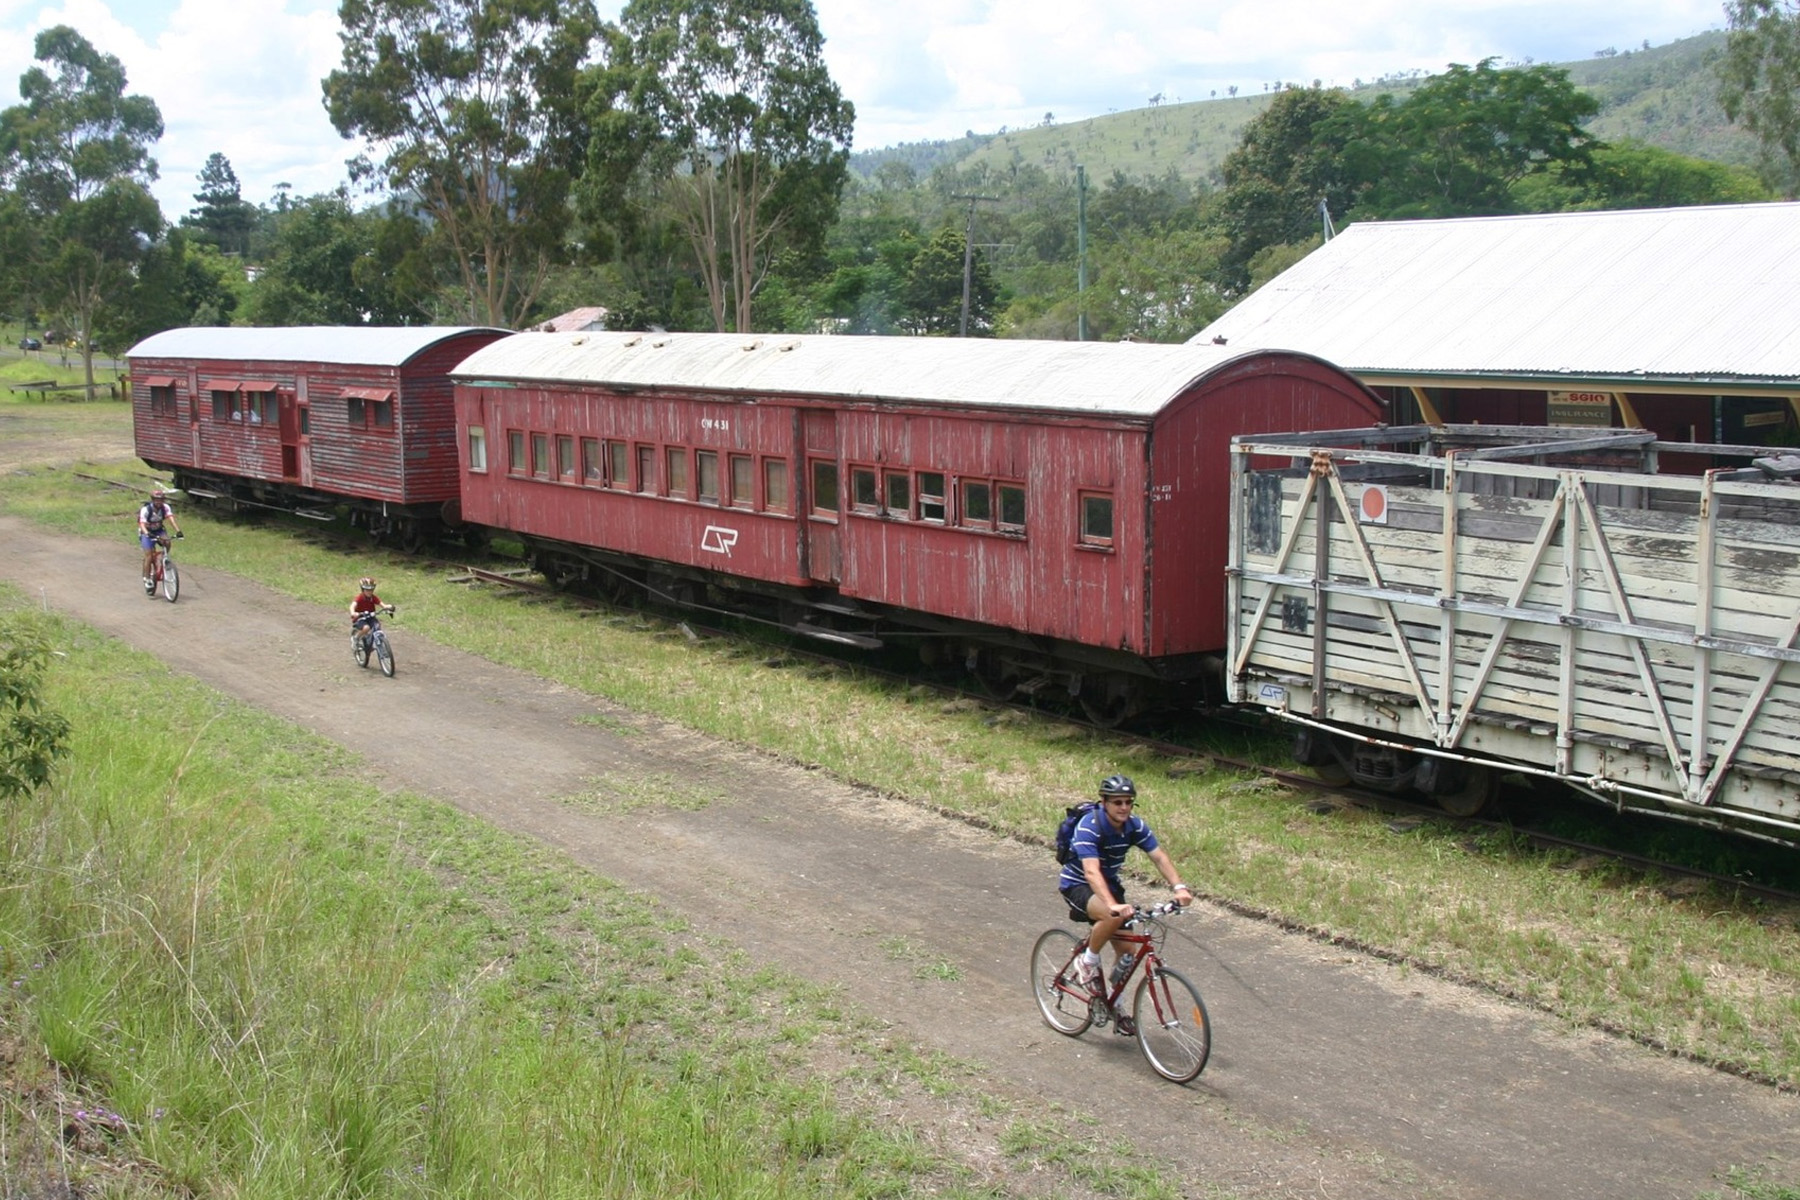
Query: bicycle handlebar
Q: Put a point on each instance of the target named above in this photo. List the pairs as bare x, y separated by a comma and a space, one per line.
1167, 908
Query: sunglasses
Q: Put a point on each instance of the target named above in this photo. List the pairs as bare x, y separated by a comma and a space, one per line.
1127, 801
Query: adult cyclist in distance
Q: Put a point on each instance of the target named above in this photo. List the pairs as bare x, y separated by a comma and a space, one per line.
1090, 882
151, 518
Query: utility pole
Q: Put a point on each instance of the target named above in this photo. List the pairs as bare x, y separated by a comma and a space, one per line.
1081, 329
969, 256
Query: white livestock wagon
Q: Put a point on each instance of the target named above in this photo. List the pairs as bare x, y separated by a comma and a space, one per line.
1435, 606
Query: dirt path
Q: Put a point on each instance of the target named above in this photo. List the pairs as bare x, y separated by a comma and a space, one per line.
1333, 1074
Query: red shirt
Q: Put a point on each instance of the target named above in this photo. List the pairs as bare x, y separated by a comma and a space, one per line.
365, 602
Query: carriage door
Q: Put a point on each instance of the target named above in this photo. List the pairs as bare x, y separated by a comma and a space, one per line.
193, 389
296, 434
821, 495
289, 410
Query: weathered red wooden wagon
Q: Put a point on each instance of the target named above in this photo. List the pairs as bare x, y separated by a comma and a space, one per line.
307, 419
1053, 513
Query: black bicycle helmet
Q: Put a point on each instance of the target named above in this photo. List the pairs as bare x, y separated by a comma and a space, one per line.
1118, 785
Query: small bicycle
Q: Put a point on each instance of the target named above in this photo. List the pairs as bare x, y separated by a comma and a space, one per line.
371, 640
1168, 1018
162, 571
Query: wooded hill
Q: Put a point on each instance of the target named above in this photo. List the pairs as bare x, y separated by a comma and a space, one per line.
1664, 96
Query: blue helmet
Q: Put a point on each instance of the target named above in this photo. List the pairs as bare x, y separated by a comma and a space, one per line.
1118, 785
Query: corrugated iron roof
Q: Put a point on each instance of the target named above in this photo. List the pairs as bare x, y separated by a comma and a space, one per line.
351, 344
1127, 379
1673, 294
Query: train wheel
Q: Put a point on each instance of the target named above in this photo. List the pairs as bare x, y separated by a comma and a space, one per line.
1312, 748
1108, 707
412, 536
1478, 792
991, 675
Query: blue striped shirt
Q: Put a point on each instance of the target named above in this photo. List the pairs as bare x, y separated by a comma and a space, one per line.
1095, 837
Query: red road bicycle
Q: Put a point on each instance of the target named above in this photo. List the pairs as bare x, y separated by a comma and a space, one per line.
162, 571
1168, 1018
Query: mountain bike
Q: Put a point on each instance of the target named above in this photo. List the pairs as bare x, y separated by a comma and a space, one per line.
1167, 1017
370, 641
162, 571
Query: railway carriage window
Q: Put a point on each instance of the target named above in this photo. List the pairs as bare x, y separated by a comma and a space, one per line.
775, 484
306, 423
593, 467
824, 487
356, 412
706, 475
899, 494
162, 401
865, 496
743, 481
646, 456
931, 496
1096, 519
618, 465
540, 455
1012, 507
224, 405
978, 503
477, 444
381, 412
678, 472
565, 458
515, 452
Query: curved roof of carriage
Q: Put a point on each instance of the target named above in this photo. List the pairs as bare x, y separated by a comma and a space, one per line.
1707, 297
379, 346
1103, 378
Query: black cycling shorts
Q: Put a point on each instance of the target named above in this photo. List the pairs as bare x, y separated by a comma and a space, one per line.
1078, 896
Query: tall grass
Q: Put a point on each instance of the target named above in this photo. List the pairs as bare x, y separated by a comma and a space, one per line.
233, 968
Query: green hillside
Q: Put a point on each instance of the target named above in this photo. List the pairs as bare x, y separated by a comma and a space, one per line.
1663, 96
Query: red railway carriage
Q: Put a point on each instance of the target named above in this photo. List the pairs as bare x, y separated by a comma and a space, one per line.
1054, 512
308, 417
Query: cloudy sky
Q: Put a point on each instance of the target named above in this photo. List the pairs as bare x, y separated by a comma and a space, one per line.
242, 76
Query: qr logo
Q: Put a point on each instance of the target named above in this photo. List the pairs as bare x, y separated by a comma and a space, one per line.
718, 540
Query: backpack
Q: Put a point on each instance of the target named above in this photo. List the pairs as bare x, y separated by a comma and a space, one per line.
1065, 832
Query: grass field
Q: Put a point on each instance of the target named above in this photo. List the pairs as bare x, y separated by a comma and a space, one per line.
1699, 969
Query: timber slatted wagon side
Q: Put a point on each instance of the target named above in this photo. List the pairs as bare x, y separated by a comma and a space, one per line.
1431, 606
310, 419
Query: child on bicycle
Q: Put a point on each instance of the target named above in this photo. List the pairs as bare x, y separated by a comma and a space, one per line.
364, 607
1090, 882
151, 519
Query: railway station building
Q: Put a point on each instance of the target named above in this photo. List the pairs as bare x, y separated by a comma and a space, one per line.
1683, 321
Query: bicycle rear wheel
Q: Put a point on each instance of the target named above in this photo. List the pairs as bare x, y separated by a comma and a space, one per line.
171, 581
1060, 997
1173, 1029
385, 654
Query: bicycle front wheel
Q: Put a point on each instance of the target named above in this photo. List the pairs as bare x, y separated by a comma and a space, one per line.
171, 581
1173, 1030
385, 654
1060, 997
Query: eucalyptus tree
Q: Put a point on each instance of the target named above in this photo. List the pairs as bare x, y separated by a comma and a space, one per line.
471, 107
727, 107
1759, 80
75, 155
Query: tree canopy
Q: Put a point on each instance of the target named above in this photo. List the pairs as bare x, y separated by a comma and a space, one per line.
727, 108
1759, 79
472, 104
76, 155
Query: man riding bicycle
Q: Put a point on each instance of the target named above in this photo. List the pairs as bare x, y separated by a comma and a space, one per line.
151, 519
1090, 881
